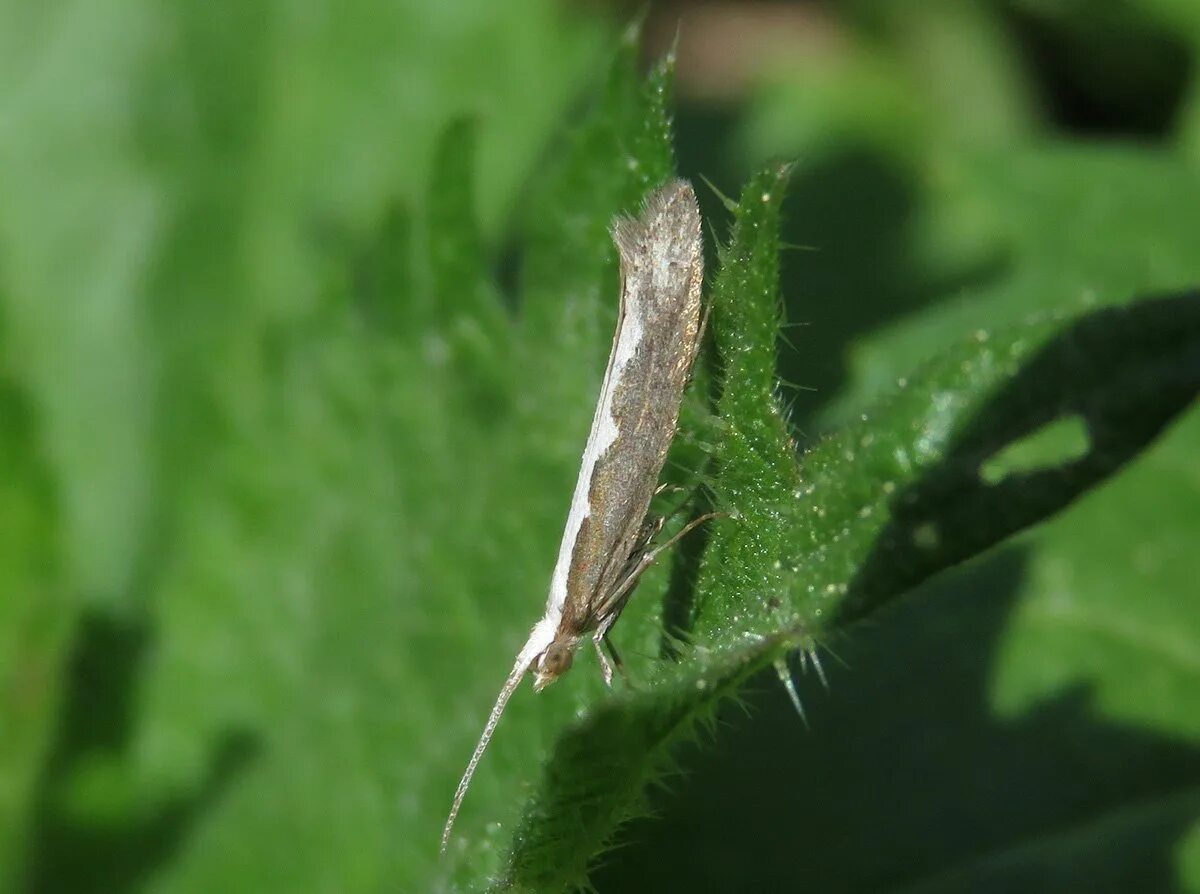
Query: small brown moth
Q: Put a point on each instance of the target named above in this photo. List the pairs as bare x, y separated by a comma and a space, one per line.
607, 541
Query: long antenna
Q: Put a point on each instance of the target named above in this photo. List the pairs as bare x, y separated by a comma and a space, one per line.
510, 686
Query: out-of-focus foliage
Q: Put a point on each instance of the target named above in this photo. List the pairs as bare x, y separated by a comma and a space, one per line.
202, 512
284, 458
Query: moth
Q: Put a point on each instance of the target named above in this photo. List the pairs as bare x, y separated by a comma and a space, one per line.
606, 544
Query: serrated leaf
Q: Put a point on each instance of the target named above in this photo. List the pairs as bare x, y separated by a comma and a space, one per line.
326, 485
869, 513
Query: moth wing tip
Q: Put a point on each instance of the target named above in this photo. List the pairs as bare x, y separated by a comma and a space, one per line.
675, 189
627, 233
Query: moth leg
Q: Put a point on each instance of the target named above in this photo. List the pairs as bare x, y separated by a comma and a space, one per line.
601, 638
674, 488
605, 668
651, 526
610, 608
683, 532
654, 524
614, 601
616, 658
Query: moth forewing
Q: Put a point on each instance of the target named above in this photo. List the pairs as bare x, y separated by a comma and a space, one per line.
604, 547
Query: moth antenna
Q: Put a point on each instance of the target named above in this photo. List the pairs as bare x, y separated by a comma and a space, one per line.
510, 686
785, 677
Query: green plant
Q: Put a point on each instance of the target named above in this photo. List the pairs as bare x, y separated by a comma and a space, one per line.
353, 504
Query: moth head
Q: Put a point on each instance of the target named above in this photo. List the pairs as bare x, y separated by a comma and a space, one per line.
553, 662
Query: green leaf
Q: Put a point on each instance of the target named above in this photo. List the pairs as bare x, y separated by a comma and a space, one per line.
35, 619
212, 430
1027, 718
872, 511
1041, 212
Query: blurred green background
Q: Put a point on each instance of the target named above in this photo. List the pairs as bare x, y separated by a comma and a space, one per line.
237, 535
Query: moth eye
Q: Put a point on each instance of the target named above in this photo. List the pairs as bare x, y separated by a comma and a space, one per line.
556, 659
